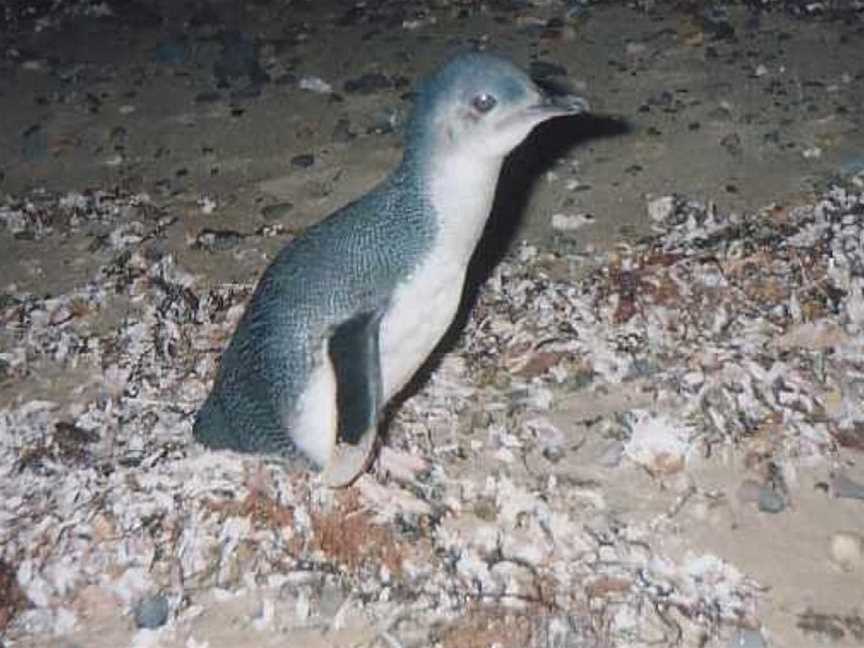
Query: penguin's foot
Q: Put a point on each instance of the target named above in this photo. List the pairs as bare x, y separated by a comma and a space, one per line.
401, 466
348, 461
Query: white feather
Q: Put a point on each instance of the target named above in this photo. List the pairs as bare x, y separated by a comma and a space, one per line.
314, 430
423, 306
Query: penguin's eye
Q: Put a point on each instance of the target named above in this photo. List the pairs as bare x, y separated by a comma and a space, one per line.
484, 102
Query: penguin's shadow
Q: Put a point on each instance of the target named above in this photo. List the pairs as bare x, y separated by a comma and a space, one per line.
549, 141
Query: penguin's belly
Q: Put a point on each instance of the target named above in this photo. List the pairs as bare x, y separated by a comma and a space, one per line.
420, 312
315, 423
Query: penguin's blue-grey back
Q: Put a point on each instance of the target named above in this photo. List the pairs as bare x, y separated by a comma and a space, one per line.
348, 263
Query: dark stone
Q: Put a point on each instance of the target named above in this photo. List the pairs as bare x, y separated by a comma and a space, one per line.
770, 501
251, 91
208, 96
151, 612
172, 51
277, 211
368, 84
303, 161
732, 144
546, 69
342, 131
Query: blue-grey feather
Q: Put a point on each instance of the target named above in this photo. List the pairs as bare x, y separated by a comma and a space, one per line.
464, 77
348, 264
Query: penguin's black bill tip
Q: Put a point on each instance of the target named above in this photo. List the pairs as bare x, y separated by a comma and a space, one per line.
559, 98
564, 104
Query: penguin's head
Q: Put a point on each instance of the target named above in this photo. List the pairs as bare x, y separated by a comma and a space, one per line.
482, 105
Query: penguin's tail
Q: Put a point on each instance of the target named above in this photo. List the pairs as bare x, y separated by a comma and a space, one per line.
211, 427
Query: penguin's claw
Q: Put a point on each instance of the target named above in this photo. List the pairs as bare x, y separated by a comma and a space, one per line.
349, 461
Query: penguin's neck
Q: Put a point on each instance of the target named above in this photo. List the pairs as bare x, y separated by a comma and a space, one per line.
461, 189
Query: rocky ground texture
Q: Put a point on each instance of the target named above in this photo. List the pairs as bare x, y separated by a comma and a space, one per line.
645, 430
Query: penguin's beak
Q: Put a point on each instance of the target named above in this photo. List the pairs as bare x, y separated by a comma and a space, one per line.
554, 105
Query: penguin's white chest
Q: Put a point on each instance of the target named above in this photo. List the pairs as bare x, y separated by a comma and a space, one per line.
423, 306
420, 312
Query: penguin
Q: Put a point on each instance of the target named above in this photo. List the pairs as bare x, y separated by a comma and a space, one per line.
347, 312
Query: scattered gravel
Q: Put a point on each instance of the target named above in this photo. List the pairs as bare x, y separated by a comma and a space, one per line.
746, 330
724, 332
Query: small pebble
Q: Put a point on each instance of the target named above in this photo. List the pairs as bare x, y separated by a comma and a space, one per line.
207, 205
635, 49
277, 211
553, 454
217, 240
569, 222
208, 96
411, 25
662, 208
847, 550
746, 638
842, 486
118, 134
172, 51
315, 84
693, 379
770, 501
368, 84
151, 612
270, 231
35, 143
732, 144
250, 91
342, 131
303, 161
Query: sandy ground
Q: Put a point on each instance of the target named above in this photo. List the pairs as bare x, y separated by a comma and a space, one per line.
216, 112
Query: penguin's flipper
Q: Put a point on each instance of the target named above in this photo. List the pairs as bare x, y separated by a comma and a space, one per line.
353, 350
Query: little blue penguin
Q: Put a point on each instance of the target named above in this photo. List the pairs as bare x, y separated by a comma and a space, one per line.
347, 312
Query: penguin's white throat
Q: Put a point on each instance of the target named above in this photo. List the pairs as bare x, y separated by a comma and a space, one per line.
462, 189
